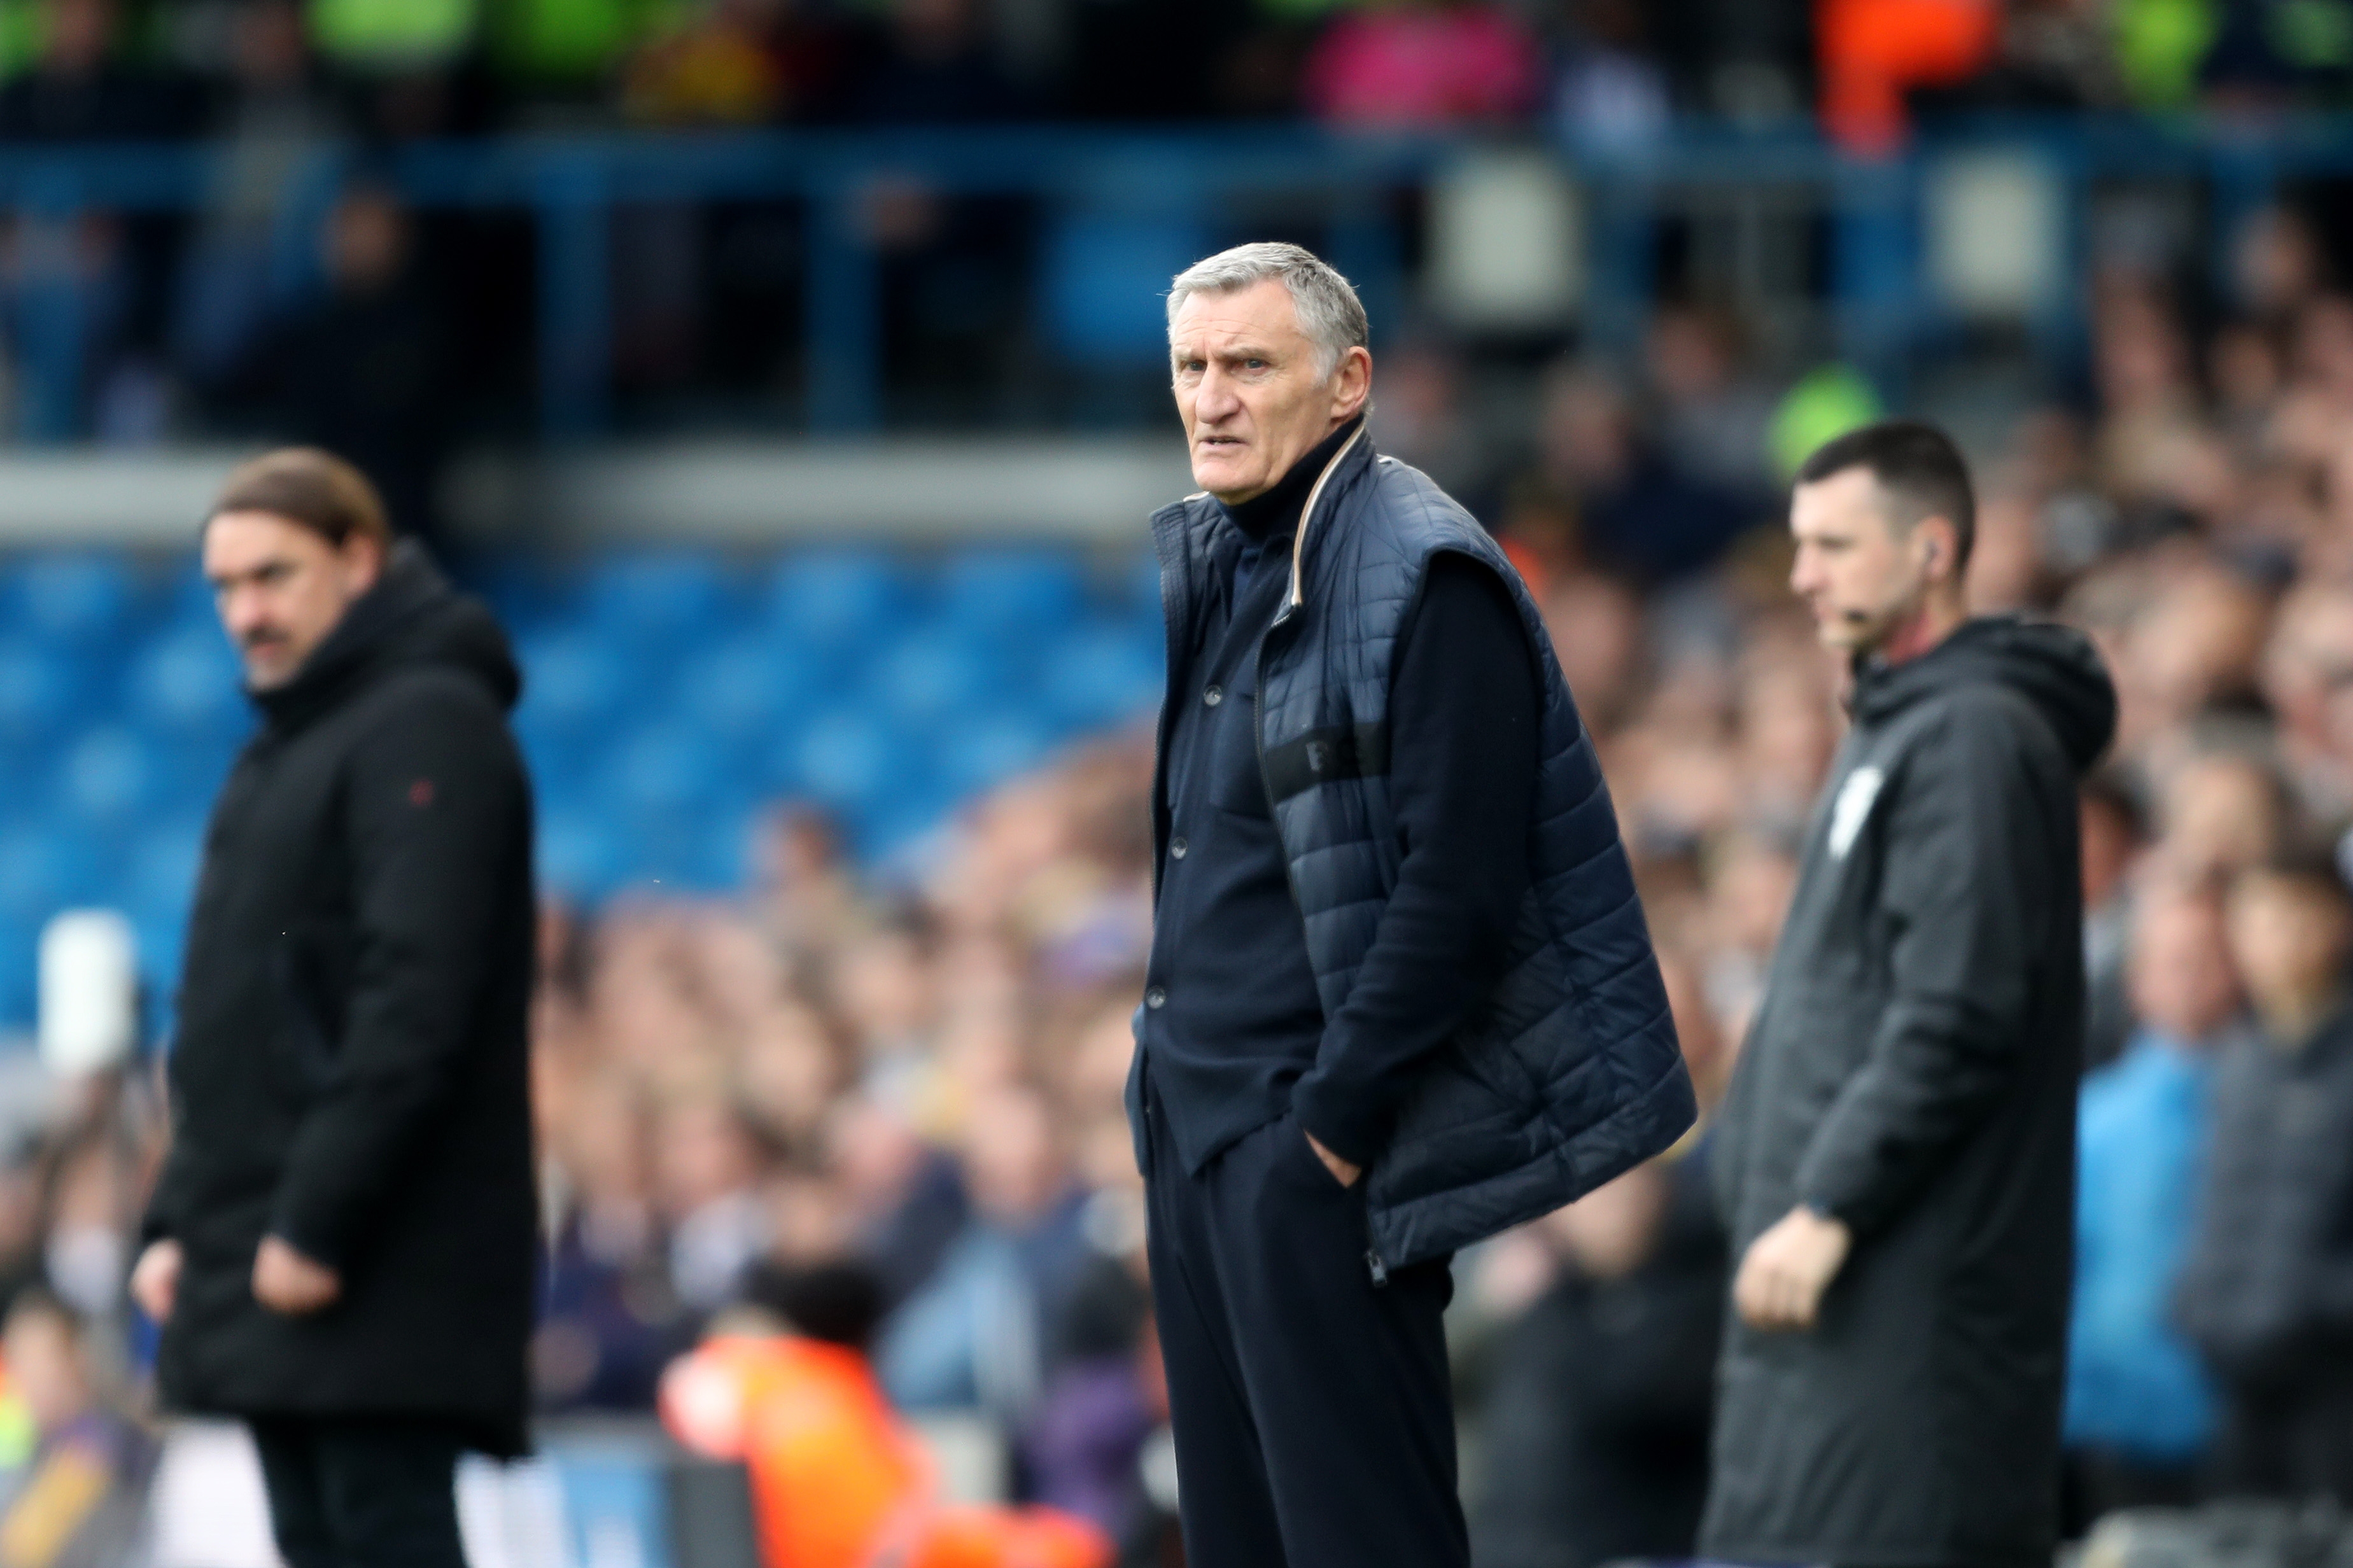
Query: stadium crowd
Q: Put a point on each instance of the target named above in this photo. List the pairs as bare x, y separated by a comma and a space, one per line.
917, 1067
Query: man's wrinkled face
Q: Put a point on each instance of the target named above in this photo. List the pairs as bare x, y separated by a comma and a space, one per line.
1253, 392
1861, 575
281, 588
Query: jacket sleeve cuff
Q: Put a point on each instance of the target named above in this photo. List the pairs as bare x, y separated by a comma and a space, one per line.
1355, 1131
305, 1234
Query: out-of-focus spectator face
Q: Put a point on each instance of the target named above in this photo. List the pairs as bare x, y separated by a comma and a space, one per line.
1597, 634
1013, 1157
2221, 813
281, 588
2006, 561
271, 48
367, 241
2307, 674
1786, 736
2182, 982
1702, 1042
2289, 938
884, 988
1749, 887
2198, 643
1254, 389
2324, 344
2245, 367
80, 36
702, 1153
2109, 842
1587, 431
1860, 575
1690, 354
2277, 263
2141, 361
46, 1370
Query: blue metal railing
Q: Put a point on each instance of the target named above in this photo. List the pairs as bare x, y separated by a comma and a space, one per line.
572, 188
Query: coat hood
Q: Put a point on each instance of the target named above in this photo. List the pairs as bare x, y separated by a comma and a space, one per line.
412, 616
2053, 667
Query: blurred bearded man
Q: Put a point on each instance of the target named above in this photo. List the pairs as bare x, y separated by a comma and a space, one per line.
1897, 1153
341, 1245
1400, 994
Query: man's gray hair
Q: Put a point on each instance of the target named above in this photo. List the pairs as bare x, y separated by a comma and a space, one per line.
1329, 312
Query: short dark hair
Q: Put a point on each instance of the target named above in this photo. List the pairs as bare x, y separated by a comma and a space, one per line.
310, 489
1922, 472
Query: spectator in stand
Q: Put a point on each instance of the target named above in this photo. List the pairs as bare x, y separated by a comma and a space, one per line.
938, 65
1598, 1429
2115, 835
2263, 1292
1422, 63
271, 118
82, 89
1609, 92
2140, 1411
979, 1334
743, 62
80, 1501
1641, 514
363, 369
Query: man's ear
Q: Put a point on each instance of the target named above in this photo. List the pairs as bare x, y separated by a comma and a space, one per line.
1939, 546
363, 558
1352, 382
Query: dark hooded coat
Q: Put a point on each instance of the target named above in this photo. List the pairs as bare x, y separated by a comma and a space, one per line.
1913, 1071
350, 1071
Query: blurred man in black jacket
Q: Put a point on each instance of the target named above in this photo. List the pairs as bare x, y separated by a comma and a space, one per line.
1897, 1153
341, 1245
2266, 1291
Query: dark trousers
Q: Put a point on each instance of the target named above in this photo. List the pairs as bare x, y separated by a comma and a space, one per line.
2290, 1438
362, 1492
1314, 1409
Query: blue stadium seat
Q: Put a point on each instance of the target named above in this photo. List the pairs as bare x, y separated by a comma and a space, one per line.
187, 681
159, 878
1024, 594
1143, 591
655, 599
579, 854
40, 688
1108, 673
933, 673
573, 684
665, 768
846, 757
46, 866
985, 749
829, 600
73, 600
106, 776
744, 690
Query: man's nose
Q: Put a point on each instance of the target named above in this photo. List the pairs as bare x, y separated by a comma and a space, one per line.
1215, 399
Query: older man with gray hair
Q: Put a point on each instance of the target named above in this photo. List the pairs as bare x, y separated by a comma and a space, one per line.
1401, 995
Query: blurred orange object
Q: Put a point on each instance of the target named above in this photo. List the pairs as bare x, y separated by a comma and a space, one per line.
838, 1480
832, 1468
1873, 51
1009, 1538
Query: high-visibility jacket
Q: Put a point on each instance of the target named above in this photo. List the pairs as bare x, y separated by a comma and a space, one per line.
838, 1480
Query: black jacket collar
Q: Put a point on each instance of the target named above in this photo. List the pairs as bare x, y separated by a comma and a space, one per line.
411, 585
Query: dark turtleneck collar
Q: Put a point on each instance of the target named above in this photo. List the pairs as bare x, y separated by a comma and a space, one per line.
1276, 512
